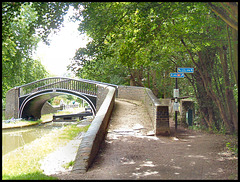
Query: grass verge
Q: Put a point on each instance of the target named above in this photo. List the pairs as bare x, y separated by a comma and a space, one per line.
23, 163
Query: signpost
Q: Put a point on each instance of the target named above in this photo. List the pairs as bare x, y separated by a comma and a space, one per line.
175, 92
179, 74
185, 70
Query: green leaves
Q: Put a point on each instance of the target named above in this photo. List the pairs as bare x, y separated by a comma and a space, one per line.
143, 34
19, 38
149, 39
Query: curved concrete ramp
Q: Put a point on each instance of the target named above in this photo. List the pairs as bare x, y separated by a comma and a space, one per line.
158, 119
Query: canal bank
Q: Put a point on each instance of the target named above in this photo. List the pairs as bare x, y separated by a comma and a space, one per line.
46, 118
20, 124
23, 162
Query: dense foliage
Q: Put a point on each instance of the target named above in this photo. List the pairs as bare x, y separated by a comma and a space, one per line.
137, 43
23, 25
140, 43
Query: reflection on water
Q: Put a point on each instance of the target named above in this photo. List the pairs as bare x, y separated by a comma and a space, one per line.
14, 138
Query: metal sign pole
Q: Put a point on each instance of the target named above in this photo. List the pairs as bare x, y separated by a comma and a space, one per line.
176, 86
179, 74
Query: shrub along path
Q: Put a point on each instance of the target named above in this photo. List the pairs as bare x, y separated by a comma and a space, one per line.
130, 152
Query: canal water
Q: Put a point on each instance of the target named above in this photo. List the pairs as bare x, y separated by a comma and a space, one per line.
17, 137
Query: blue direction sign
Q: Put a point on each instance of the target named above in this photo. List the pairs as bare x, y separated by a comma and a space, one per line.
177, 75
185, 70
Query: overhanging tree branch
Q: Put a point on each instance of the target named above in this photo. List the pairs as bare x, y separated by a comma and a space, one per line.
224, 15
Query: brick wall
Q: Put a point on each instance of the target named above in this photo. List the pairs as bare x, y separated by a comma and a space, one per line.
12, 103
158, 112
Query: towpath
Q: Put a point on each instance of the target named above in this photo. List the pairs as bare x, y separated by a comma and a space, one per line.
130, 152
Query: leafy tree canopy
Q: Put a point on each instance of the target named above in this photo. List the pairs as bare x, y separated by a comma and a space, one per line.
24, 24
148, 40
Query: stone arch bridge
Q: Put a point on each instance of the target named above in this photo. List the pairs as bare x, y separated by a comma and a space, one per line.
27, 100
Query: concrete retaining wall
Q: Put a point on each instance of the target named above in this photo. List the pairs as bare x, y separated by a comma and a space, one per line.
101, 95
157, 110
92, 139
48, 108
131, 92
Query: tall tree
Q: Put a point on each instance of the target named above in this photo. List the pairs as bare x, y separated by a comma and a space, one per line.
150, 39
23, 25
228, 12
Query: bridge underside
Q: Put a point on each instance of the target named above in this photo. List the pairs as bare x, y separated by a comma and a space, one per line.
30, 106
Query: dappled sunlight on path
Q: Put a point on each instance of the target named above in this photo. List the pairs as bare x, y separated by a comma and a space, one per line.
131, 151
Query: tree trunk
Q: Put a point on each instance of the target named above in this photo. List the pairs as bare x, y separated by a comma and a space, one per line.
231, 103
132, 81
235, 54
203, 99
136, 77
154, 83
208, 86
148, 78
205, 58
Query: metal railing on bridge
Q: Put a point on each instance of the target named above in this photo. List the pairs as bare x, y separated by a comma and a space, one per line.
80, 85
84, 86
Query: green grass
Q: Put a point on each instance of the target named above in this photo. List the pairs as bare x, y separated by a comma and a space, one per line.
68, 165
70, 134
29, 176
23, 163
232, 147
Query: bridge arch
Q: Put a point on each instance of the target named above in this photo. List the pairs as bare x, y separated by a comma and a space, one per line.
31, 105
20, 99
